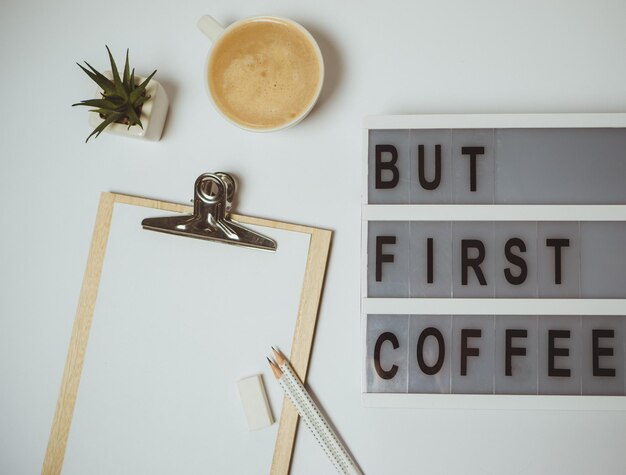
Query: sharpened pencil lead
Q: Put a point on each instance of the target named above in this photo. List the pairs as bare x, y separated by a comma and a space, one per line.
275, 369
280, 358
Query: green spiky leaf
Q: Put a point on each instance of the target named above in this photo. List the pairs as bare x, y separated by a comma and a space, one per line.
103, 113
147, 80
126, 73
132, 80
141, 89
119, 86
105, 84
101, 103
108, 120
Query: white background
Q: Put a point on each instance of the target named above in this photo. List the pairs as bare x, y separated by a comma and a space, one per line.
400, 57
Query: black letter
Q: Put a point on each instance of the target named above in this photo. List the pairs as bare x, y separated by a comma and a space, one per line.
434, 183
380, 257
390, 165
516, 261
387, 336
601, 351
475, 262
513, 350
552, 352
557, 244
429, 261
465, 351
472, 152
434, 369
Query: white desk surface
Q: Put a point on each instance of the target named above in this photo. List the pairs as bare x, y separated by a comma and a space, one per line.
381, 58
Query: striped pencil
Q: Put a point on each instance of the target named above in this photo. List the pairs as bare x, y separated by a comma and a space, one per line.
312, 416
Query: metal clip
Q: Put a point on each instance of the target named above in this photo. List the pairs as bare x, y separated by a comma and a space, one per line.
213, 199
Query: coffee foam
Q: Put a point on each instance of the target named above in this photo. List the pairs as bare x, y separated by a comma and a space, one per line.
264, 73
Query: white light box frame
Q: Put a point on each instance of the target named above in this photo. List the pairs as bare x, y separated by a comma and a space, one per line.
484, 306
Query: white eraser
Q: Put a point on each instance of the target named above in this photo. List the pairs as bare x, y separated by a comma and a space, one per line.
254, 401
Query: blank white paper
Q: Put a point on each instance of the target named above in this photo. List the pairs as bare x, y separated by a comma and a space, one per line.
178, 321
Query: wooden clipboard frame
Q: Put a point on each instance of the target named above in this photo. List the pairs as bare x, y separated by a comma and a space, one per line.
319, 247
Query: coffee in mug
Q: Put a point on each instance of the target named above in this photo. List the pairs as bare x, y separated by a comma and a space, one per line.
263, 73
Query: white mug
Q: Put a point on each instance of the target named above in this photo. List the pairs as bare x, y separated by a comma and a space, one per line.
215, 31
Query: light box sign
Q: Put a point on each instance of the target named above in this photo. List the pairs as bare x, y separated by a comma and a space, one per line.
495, 212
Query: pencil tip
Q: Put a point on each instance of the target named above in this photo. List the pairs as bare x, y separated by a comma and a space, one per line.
280, 359
275, 369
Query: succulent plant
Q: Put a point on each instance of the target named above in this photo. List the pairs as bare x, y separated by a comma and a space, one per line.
121, 99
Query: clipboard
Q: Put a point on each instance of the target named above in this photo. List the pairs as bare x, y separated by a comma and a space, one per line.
307, 310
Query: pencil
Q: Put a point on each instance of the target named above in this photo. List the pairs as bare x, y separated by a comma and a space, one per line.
312, 416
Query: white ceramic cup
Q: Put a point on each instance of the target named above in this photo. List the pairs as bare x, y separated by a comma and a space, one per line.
214, 31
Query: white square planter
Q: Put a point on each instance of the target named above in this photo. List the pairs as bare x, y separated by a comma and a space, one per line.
153, 113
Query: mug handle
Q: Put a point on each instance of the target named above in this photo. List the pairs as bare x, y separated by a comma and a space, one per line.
210, 27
